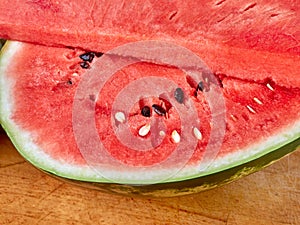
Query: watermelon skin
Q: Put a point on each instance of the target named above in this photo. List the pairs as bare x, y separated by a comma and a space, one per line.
196, 185
216, 30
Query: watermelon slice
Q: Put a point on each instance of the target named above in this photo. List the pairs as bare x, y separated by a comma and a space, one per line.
39, 86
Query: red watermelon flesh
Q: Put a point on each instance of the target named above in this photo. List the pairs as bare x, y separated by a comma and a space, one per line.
38, 86
218, 31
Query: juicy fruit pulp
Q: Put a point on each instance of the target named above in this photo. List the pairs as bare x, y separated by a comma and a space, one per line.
244, 32
263, 25
36, 108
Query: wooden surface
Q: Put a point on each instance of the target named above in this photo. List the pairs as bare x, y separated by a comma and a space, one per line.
28, 196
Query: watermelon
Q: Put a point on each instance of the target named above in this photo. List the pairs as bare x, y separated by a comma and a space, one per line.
213, 96
38, 93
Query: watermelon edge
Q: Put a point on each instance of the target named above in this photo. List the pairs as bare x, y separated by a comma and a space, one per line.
195, 185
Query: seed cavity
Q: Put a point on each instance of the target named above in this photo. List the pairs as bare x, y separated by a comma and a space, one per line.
159, 110
251, 109
120, 117
197, 133
270, 87
251, 6
257, 101
172, 15
175, 136
220, 2
144, 130
146, 111
179, 95
190, 80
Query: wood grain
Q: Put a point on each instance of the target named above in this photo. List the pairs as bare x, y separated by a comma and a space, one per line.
28, 196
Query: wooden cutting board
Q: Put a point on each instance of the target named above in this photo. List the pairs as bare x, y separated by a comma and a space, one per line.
28, 196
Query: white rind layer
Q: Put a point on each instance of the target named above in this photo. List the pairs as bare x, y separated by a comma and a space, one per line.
24, 143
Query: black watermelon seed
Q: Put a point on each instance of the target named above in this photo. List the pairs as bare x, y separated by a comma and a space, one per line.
85, 65
69, 82
159, 110
200, 86
98, 54
146, 111
92, 97
87, 57
220, 80
179, 95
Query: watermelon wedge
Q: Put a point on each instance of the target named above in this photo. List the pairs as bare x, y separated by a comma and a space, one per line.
38, 89
152, 98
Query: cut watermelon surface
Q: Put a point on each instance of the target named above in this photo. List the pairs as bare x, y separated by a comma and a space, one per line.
38, 87
260, 25
217, 31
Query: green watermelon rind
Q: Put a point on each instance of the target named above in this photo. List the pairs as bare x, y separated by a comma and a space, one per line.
21, 140
196, 185
2, 41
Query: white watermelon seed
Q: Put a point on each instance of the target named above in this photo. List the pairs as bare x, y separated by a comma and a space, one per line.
144, 130
175, 136
162, 133
270, 87
233, 117
119, 116
197, 133
250, 109
257, 101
